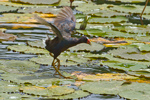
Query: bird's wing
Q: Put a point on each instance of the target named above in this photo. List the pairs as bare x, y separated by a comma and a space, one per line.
65, 21
53, 27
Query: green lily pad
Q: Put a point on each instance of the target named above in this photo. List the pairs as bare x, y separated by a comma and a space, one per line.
74, 95
128, 1
143, 38
7, 9
128, 8
36, 79
36, 2
8, 87
16, 96
37, 44
40, 9
100, 30
140, 30
27, 49
107, 20
17, 66
106, 13
144, 47
50, 91
134, 95
125, 66
140, 73
16, 18
139, 91
130, 53
102, 87
116, 59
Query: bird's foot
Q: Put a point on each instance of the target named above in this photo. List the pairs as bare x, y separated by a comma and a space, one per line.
57, 72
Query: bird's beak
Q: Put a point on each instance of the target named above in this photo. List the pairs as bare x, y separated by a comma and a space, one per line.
89, 42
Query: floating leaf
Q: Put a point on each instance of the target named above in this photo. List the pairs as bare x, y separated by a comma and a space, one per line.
17, 66
8, 9
27, 49
128, 1
138, 91
130, 53
124, 66
131, 9
41, 80
74, 95
140, 73
106, 76
7, 37
16, 18
36, 2
8, 87
102, 87
107, 20
49, 91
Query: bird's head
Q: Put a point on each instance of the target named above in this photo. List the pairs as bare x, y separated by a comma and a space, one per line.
85, 40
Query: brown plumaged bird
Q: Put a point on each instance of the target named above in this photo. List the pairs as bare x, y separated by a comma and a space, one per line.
63, 26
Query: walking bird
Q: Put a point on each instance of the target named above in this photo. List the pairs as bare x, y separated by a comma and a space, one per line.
63, 26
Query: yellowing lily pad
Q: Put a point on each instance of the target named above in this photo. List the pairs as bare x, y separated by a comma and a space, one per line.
105, 76
7, 37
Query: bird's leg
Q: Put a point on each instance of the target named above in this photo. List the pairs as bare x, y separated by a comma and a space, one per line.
58, 61
57, 70
58, 66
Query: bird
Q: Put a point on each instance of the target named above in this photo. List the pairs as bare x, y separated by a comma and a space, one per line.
63, 26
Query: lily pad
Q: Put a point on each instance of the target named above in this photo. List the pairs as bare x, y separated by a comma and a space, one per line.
7, 37
17, 66
74, 95
8, 87
17, 18
107, 20
40, 9
49, 91
16, 96
104, 32
102, 87
130, 53
36, 2
129, 8
125, 66
104, 76
8, 9
116, 59
138, 91
128, 1
140, 73
27, 49
40, 80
